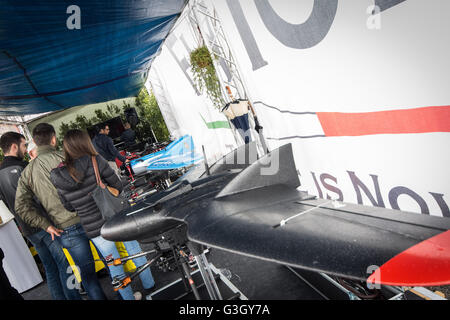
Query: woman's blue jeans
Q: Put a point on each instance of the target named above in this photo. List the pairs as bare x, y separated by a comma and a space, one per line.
108, 248
74, 239
57, 268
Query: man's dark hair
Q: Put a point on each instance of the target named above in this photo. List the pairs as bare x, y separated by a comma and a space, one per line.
102, 126
8, 139
43, 134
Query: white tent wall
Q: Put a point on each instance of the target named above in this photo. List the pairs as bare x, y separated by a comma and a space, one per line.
184, 110
303, 58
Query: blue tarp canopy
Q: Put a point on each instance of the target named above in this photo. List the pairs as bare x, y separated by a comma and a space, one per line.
47, 64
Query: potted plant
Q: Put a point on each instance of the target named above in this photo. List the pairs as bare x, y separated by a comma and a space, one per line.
205, 75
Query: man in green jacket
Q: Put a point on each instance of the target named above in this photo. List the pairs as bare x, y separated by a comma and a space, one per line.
65, 225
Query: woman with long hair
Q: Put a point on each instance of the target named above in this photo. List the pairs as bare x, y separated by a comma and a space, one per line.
75, 181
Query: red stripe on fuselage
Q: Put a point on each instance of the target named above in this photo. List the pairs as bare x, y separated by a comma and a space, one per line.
418, 120
425, 264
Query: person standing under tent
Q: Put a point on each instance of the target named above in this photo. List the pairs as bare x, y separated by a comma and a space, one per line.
63, 225
75, 182
128, 137
105, 147
50, 252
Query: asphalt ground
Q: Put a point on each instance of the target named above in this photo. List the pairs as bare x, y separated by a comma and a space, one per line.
255, 278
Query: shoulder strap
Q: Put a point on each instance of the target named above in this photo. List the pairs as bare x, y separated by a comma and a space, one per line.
97, 174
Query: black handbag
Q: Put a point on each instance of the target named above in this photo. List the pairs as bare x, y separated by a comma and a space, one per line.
107, 198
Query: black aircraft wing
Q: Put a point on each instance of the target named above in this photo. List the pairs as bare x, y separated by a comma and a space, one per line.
256, 209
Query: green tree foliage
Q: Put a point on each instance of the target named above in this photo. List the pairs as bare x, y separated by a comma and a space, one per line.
150, 116
81, 122
147, 108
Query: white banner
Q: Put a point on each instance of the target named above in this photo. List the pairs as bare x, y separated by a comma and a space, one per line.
360, 88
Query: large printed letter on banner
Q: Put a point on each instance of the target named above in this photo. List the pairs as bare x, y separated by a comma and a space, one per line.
246, 34
304, 35
386, 4
297, 36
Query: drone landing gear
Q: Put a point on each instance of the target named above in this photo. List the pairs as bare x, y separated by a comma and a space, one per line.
205, 271
175, 252
194, 280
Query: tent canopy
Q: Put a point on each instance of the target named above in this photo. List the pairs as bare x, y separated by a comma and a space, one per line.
47, 64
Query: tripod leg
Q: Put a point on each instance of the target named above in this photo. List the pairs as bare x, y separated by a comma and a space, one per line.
203, 265
211, 276
206, 278
179, 268
191, 281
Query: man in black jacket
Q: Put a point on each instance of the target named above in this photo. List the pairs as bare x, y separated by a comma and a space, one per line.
50, 252
105, 147
128, 137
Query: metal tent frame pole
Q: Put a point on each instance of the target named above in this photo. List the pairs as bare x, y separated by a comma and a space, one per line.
219, 46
